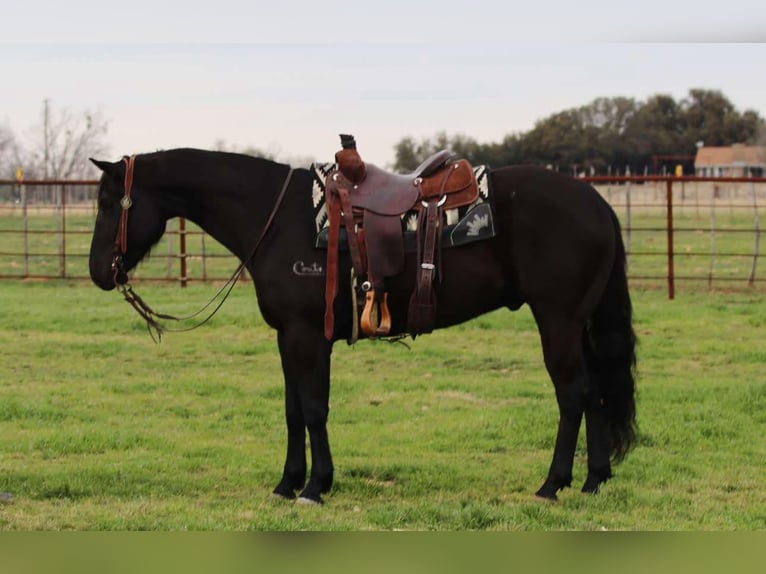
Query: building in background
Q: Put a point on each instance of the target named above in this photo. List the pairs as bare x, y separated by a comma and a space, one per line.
738, 160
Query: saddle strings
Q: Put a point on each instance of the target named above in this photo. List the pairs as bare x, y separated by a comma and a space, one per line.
153, 318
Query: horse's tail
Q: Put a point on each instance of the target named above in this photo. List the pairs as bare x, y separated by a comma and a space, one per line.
611, 356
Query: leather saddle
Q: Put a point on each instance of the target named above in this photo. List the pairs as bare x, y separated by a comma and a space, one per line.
370, 203
387, 193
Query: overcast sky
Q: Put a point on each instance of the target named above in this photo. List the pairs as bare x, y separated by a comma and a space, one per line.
289, 78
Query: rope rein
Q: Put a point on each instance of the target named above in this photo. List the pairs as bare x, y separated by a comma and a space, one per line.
152, 318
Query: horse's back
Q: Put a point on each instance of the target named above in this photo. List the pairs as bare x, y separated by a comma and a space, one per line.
555, 193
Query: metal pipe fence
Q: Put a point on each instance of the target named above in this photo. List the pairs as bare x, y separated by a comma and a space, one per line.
699, 231
711, 218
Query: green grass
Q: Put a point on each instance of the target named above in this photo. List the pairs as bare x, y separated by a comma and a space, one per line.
101, 429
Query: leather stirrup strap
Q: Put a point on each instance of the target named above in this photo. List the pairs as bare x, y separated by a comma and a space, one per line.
351, 235
331, 273
422, 309
427, 266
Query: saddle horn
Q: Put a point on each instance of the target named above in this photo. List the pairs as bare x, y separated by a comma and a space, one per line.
349, 161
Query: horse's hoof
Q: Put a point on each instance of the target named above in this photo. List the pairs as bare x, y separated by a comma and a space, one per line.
548, 491
546, 497
279, 496
302, 500
595, 479
6, 498
284, 492
590, 487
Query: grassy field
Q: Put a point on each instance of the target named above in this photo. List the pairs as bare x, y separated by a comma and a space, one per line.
102, 429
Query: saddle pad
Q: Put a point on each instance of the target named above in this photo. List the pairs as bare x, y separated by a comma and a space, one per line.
460, 226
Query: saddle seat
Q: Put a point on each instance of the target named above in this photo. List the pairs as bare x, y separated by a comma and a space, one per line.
370, 203
387, 193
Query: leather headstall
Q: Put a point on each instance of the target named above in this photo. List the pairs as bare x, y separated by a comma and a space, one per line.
121, 241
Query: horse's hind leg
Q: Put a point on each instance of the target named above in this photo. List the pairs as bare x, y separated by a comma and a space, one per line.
306, 365
566, 365
596, 427
599, 466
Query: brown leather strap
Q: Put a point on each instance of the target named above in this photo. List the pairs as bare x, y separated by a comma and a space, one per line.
422, 309
121, 241
339, 210
331, 271
351, 234
427, 265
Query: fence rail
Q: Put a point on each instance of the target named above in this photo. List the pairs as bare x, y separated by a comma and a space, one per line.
691, 230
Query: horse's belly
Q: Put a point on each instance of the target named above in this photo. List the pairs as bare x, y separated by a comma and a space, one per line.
470, 282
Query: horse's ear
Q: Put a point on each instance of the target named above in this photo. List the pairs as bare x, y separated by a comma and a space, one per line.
105, 166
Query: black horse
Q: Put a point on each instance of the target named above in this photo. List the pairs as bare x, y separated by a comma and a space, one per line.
558, 248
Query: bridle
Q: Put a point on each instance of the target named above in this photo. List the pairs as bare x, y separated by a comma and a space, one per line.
121, 246
121, 241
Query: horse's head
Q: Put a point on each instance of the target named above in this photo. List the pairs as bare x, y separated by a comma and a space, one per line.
127, 224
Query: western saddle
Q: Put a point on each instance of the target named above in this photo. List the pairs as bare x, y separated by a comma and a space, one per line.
370, 203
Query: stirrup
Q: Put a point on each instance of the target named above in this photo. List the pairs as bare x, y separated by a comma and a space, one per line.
376, 319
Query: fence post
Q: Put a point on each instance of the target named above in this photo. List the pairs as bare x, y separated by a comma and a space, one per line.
204, 256
23, 198
182, 248
756, 247
169, 259
671, 274
712, 242
62, 238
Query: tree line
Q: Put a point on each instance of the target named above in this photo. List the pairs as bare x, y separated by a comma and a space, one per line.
608, 136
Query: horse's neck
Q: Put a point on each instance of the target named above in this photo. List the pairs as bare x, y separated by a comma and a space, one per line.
230, 208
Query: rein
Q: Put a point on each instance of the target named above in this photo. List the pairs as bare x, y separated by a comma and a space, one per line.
139, 305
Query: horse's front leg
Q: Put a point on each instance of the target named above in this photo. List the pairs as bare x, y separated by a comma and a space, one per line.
306, 365
294, 474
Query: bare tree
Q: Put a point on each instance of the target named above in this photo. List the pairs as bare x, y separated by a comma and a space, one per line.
8, 153
60, 148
